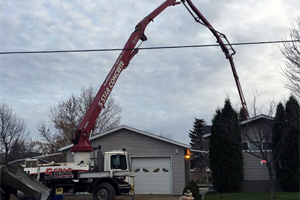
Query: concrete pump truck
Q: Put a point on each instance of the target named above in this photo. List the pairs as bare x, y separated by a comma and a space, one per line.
111, 173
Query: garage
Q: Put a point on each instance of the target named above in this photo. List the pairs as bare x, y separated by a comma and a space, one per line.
152, 175
160, 164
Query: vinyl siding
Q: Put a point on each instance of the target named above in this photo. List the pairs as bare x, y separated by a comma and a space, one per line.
259, 130
69, 156
254, 170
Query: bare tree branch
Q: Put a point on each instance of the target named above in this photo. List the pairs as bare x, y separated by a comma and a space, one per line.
291, 52
67, 115
12, 129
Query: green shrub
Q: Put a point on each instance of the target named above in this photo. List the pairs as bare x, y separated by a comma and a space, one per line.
193, 188
195, 185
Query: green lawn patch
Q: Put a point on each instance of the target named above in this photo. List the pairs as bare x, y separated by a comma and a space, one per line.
253, 196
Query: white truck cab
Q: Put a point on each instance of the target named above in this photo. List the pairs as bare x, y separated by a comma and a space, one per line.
107, 176
116, 161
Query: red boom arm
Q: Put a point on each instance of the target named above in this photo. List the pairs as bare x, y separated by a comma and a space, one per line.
82, 142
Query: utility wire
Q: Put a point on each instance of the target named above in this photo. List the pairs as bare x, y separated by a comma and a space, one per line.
146, 48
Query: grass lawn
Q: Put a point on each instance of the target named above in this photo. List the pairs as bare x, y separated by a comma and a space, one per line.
253, 196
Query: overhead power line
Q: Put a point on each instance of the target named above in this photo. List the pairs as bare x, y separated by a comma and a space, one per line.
146, 48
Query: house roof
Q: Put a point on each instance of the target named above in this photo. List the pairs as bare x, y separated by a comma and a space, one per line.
261, 116
133, 130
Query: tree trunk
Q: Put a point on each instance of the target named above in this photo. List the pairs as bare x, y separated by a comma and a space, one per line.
272, 189
272, 185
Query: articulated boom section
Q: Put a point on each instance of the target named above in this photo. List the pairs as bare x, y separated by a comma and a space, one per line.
202, 20
82, 142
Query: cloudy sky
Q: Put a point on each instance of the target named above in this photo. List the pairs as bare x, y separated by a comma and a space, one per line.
161, 91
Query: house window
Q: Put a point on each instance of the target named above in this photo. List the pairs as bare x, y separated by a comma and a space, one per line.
136, 170
267, 145
145, 170
255, 145
245, 146
165, 169
155, 169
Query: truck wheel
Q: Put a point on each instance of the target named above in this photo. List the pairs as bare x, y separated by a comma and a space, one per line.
104, 191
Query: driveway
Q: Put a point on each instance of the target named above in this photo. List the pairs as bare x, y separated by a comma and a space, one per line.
136, 197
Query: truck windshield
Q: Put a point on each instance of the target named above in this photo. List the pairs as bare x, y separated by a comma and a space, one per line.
118, 162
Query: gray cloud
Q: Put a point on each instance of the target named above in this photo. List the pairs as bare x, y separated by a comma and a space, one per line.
161, 90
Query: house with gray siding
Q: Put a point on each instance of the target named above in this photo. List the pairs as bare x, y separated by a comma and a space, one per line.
257, 135
159, 163
257, 144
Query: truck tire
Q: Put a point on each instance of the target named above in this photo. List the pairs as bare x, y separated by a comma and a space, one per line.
104, 191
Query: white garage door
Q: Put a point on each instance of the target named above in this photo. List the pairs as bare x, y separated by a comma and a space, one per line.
152, 175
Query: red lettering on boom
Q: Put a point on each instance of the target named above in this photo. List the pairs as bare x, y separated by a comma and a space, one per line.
111, 84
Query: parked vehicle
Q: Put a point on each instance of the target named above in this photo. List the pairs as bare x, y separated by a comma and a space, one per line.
109, 174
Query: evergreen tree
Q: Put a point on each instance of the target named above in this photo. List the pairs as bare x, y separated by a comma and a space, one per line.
287, 132
196, 134
226, 160
215, 153
277, 137
196, 143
